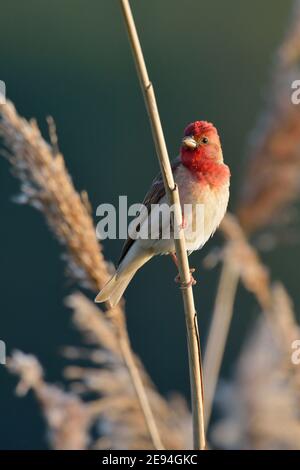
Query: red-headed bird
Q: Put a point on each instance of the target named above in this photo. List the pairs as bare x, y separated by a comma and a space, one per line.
202, 179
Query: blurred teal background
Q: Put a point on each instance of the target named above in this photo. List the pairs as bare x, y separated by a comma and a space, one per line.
71, 59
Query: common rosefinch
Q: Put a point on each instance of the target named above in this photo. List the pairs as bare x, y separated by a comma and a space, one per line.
202, 179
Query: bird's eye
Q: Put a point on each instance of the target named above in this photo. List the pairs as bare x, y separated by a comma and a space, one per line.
204, 140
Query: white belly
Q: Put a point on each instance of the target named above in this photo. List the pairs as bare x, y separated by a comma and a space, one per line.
210, 203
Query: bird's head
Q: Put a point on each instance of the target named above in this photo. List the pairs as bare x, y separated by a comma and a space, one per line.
200, 143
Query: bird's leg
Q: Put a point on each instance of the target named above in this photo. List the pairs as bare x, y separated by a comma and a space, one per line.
183, 285
183, 224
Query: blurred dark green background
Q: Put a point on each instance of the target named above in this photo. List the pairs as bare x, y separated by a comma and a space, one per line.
71, 59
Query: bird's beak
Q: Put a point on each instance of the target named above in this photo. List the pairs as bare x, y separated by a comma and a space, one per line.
189, 142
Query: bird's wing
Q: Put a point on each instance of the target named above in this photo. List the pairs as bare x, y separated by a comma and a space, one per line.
154, 195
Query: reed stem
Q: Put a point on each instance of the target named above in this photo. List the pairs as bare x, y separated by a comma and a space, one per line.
218, 333
172, 193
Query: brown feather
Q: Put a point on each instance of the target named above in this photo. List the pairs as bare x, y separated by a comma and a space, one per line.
154, 195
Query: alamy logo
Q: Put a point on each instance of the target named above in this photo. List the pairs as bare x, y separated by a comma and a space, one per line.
295, 356
149, 223
2, 352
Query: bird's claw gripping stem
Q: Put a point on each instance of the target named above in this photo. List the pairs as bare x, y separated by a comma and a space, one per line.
186, 285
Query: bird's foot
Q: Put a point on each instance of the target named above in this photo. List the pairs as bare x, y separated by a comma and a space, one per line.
185, 285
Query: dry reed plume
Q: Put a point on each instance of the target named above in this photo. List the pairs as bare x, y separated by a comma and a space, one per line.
272, 170
261, 406
270, 187
46, 185
68, 418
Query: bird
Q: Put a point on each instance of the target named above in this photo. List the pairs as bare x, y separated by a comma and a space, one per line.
203, 180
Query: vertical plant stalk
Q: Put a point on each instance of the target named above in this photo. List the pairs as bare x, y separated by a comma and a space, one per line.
241, 261
218, 333
128, 357
172, 193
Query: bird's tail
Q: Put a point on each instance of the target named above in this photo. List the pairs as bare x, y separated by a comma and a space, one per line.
117, 285
114, 289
